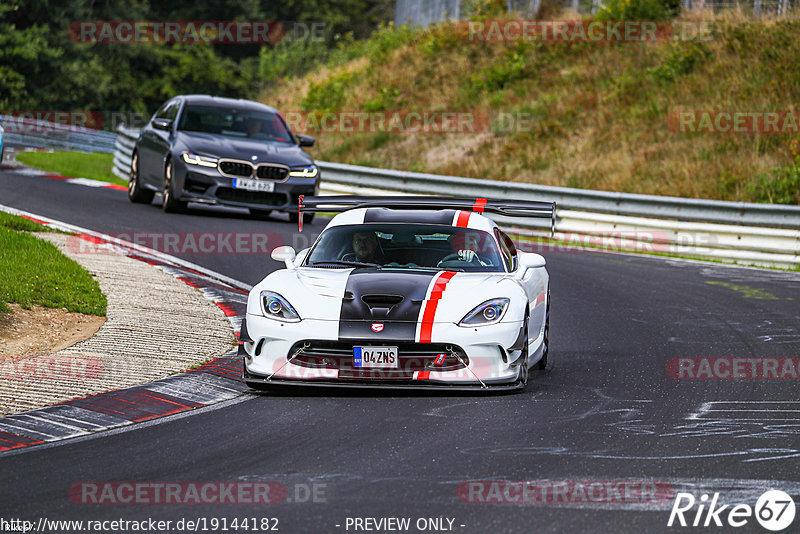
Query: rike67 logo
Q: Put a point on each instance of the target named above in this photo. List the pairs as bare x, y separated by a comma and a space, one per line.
774, 510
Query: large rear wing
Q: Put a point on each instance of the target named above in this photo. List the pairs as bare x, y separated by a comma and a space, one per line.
508, 208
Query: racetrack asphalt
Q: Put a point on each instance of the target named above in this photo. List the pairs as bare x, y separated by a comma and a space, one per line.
606, 409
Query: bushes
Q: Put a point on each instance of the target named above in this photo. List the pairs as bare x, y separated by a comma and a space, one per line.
501, 75
328, 95
778, 186
639, 9
681, 61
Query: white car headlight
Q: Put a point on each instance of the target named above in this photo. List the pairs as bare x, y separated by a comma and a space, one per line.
490, 312
308, 171
276, 307
203, 161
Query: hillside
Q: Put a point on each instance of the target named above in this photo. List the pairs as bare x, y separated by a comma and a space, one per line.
600, 115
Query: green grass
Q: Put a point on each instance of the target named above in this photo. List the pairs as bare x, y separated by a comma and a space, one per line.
33, 271
20, 224
590, 115
95, 166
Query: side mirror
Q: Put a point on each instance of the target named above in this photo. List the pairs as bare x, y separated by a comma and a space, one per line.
162, 124
306, 140
529, 260
285, 254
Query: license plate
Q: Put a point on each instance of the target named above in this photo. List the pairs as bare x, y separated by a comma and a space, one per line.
254, 185
375, 358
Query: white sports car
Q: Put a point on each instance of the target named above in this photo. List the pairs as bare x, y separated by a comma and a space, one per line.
402, 292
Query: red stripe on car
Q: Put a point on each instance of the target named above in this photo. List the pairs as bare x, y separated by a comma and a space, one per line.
463, 219
430, 306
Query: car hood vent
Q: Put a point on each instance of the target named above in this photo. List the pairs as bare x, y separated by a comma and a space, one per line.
381, 301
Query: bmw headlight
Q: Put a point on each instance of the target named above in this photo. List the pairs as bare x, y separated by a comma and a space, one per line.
490, 312
203, 161
276, 307
306, 171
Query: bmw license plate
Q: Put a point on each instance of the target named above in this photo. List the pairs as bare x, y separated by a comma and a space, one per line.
249, 184
375, 358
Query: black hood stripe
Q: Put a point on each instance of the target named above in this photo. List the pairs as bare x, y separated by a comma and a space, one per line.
381, 289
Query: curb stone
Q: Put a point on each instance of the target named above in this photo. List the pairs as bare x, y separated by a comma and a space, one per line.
215, 381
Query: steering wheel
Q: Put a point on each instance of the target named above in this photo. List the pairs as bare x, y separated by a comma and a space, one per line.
456, 257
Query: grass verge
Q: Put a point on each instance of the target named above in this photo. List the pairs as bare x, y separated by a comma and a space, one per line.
576, 114
33, 271
95, 166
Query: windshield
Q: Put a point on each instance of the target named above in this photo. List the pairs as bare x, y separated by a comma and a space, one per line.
405, 246
232, 122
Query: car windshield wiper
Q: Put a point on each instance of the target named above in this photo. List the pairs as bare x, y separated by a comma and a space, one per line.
347, 263
421, 268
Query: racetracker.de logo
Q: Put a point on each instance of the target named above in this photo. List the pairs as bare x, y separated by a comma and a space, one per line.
192, 32
393, 122
729, 368
564, 492
150, 493
50, 121
640, 241
181, 242
734, 122
51, 367
582, 31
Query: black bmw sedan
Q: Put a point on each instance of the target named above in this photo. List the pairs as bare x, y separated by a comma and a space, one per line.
212, 150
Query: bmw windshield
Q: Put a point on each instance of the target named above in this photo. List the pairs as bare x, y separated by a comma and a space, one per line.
233, 122
407, 247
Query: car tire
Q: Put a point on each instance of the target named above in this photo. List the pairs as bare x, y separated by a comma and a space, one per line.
307, 217
260, 214
171, 205
541, 365
524, 369
136, 193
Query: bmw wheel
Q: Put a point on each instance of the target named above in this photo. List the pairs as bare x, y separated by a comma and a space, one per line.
136, 193
171, 204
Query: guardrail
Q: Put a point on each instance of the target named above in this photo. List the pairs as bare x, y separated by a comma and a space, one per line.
685, 209
757, 234
34, 133
123, 150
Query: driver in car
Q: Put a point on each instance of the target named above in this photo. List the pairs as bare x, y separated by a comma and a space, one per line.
366, 248
254, 128
467, 246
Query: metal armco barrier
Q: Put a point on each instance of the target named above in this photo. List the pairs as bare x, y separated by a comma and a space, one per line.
747, 233
42, 134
